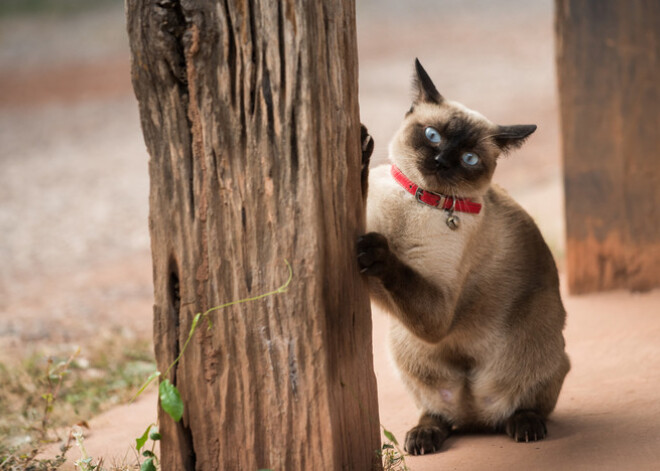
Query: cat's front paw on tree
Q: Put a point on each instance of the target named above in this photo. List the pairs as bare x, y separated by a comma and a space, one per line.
367, 145
373, 254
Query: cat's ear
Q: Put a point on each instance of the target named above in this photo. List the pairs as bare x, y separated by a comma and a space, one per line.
512, 137
423, 87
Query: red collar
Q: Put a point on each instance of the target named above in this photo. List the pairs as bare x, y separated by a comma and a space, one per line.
464, 205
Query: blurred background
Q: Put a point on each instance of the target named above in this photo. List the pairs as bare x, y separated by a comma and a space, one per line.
496, 57
73, 166
75, 264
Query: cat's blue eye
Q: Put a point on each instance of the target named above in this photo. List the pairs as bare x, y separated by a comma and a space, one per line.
432, 135
470, 159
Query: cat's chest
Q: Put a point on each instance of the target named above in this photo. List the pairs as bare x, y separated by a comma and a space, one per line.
424, 240
419, 234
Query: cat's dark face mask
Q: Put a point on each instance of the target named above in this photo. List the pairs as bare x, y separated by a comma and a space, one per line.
455, 151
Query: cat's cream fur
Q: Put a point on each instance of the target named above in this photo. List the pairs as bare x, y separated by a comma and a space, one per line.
476, 314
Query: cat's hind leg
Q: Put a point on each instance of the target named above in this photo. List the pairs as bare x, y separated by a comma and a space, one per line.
527, 424
428, 435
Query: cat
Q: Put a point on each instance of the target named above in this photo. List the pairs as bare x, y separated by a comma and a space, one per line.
466, 276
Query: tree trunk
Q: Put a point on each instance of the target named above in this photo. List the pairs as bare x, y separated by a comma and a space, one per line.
608, 59
249, 112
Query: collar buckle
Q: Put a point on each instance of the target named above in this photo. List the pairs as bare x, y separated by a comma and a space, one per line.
439, 199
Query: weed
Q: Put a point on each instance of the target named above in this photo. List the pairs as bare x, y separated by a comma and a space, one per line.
84, 463
55, 376
391, 454
42, 393
13, 460
151, 462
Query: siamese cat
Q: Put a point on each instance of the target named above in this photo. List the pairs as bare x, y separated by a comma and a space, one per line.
465, 274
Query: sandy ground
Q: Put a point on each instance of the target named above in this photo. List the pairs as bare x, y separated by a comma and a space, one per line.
74, 252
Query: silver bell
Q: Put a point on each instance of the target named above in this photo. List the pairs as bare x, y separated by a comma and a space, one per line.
452, 222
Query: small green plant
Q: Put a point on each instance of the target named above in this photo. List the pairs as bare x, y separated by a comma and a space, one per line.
84, 463
41, 393
151, 463
391, 454
55, 377
17, 459
11, 460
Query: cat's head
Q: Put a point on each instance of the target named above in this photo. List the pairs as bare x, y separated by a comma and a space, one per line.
447, 148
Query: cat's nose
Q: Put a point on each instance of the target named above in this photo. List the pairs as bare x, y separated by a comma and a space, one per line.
441, 162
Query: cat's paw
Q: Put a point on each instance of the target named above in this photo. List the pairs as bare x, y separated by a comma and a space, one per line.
373, 254
367, 143
526, 426
425, 439
367, 146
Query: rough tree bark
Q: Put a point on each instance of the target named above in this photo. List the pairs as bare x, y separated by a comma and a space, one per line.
249, 112
608, 61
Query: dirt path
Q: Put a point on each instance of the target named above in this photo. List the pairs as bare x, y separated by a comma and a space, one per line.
111, 436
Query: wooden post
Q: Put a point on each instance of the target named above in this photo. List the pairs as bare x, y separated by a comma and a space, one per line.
608, 59
250, 115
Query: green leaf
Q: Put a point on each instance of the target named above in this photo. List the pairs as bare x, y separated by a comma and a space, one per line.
148, 465
140, 441
170, 400
155, 436
390, 436
148, 453
387, 446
